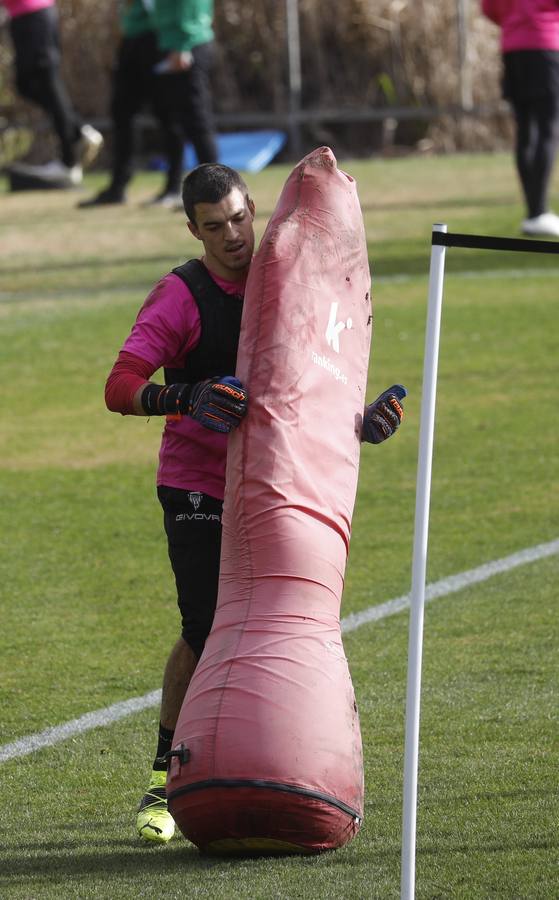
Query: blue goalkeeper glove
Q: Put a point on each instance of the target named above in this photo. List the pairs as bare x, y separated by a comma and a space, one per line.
218, 403
382, 418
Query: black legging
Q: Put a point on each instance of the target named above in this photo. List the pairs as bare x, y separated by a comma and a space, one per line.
537, 138
181, 102
186, 98
132, 89
37, 64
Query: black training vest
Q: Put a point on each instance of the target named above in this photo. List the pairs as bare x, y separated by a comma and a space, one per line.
220, 315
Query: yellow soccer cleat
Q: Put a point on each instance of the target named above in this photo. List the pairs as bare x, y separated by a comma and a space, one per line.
155, 823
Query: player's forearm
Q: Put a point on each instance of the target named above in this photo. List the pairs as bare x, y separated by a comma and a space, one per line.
125, 383
218, 403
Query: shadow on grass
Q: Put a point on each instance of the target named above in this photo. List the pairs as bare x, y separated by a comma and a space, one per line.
387, 256
91, 263
264, 214
387, 261
53, 861
487, 847
438, 203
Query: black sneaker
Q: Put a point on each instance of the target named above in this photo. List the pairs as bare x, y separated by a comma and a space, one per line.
108, 197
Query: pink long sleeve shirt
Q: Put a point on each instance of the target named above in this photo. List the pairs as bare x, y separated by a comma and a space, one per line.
24, 7
166, 330
525, 24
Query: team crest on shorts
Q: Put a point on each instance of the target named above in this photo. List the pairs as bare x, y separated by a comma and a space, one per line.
195, 498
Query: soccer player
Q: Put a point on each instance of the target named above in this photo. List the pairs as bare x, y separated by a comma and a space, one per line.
190, 326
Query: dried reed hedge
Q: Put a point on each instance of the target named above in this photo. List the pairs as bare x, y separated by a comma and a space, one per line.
355, 53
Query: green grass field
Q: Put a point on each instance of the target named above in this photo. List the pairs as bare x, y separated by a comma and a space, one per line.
88, 606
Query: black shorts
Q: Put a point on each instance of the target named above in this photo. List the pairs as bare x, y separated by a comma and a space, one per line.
193, 526
530, 74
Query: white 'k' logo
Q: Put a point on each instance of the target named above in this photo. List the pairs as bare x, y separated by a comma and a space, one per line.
334, 328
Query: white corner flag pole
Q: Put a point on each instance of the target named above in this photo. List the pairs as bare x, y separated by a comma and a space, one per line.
419, 565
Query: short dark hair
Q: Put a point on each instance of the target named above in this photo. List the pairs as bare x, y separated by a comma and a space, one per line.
209, 183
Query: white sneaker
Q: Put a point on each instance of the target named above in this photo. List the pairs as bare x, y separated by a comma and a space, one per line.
89, 144
166, 201
547, 224
54, 172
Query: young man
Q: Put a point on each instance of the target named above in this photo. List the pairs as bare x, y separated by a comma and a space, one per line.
190, 325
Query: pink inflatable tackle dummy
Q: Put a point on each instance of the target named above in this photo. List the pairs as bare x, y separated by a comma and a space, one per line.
268, 748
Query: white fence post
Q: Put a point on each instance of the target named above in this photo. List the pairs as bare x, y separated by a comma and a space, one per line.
419, 566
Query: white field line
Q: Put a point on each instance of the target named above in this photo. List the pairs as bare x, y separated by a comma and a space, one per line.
452, 584
51, 736
101, 717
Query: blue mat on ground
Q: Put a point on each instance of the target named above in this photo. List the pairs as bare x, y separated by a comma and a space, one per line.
246, 151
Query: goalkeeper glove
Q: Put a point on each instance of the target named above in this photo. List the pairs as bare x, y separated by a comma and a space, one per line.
217, 403
383, 417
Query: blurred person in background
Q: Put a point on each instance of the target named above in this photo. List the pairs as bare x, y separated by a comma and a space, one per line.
530, 48
37, 56
164, 60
